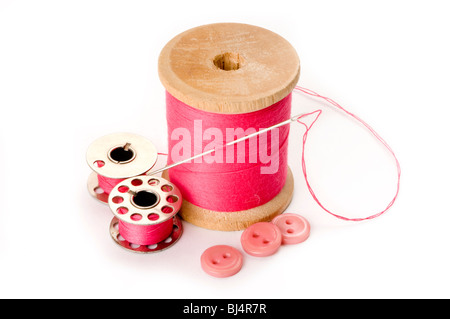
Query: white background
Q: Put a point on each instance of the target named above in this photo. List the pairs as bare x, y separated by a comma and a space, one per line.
72, 71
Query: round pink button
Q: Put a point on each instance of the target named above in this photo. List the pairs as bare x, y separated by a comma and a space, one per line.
221, 261
261, 239
294, 228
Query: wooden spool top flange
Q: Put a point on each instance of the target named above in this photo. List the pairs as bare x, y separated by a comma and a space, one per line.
229, 68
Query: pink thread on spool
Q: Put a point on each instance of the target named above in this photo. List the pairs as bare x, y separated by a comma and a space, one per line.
116, 157
145, 209
229, 76
235, 184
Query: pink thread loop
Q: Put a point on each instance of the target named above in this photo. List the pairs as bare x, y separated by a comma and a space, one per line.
378, 137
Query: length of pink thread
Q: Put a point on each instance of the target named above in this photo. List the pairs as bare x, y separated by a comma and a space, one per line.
374, 133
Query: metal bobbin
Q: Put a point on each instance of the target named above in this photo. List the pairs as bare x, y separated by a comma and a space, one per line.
118, 156
144, 201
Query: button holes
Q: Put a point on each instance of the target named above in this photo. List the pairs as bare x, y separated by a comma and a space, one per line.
215, 261
226, 255
255, 235
288, 221
290, 231
265, 241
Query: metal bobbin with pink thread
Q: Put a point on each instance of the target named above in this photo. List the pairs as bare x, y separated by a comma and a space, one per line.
145, 214
116, 157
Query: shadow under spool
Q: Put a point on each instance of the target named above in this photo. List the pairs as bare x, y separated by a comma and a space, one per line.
230, 68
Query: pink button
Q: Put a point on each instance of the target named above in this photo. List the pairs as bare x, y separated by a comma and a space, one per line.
221, 261
261, 239
294, 228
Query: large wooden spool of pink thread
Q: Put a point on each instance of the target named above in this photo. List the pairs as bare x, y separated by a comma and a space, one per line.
230, 74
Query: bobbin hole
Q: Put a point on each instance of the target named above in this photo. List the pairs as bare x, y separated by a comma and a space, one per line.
167, 209
136, 182
122, 210
123, 189
172, 199
166, 188
153, 182
122, 154
117, 199
136, 217
99, 163
99, 190
145, 199
229, 61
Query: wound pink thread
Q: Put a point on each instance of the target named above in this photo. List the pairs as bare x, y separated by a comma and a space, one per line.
145, 235
107, 184
377, 136
231, 185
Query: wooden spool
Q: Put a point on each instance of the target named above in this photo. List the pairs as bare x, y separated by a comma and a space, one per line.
230, 68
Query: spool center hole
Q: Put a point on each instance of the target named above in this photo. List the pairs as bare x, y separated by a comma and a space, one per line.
145, 199
120, 154
229, 61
